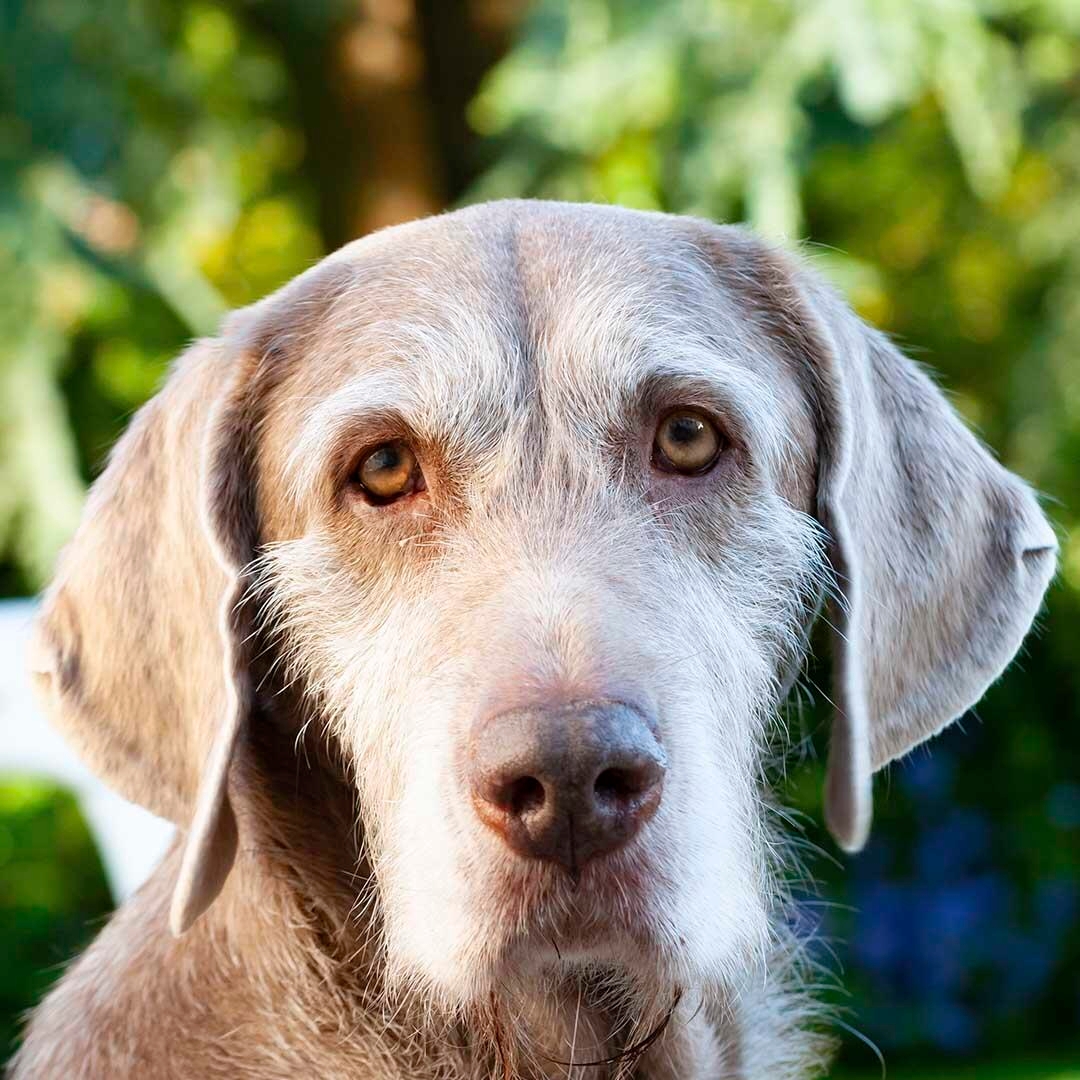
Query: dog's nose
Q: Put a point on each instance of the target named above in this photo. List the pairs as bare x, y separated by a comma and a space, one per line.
566, 784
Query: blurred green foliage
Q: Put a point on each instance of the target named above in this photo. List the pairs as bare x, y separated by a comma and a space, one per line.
156, 169
1024, 1070
53, 893
149, 180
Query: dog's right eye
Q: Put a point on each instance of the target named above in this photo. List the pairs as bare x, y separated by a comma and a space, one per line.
687, 442
388, 472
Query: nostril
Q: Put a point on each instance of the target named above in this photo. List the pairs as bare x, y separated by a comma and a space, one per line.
617, 784
521, 796
624, 784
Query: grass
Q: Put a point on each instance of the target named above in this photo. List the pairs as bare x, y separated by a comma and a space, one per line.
1020, 1070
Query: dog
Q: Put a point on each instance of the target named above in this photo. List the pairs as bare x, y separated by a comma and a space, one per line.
448, 601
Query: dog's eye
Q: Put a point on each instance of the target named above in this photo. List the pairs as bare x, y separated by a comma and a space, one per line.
686, 442
388, 472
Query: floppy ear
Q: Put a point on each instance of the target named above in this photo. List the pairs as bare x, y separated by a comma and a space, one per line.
941, 556
138, 652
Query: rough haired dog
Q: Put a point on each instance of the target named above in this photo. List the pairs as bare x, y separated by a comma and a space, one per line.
447, 601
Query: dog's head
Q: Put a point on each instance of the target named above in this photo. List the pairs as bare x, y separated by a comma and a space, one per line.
537, 504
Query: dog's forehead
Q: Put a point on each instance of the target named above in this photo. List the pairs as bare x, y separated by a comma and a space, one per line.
528, 291
464, 324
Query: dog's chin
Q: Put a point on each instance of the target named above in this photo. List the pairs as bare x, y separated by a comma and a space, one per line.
549, 929
612, 970
630, 960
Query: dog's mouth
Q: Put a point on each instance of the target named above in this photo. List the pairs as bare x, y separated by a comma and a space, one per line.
606, 914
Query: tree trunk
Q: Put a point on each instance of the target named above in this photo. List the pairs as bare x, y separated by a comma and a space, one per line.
383, 87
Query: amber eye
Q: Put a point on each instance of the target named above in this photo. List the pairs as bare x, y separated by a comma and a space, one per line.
388, 472
686, 442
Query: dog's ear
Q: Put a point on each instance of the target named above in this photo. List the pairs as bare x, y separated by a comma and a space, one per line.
940, 556
139, 649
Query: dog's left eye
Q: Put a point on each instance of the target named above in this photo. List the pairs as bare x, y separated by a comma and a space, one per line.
686, 442
388, 472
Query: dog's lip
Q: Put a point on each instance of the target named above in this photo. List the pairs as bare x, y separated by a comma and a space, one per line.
618, 878
602, 904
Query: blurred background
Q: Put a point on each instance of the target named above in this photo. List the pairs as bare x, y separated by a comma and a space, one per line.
161, 162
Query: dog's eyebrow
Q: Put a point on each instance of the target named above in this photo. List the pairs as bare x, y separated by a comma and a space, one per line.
704, 376
373, 393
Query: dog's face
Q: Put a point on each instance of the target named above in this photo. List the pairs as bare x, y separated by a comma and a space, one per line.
537, 504
586, 548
